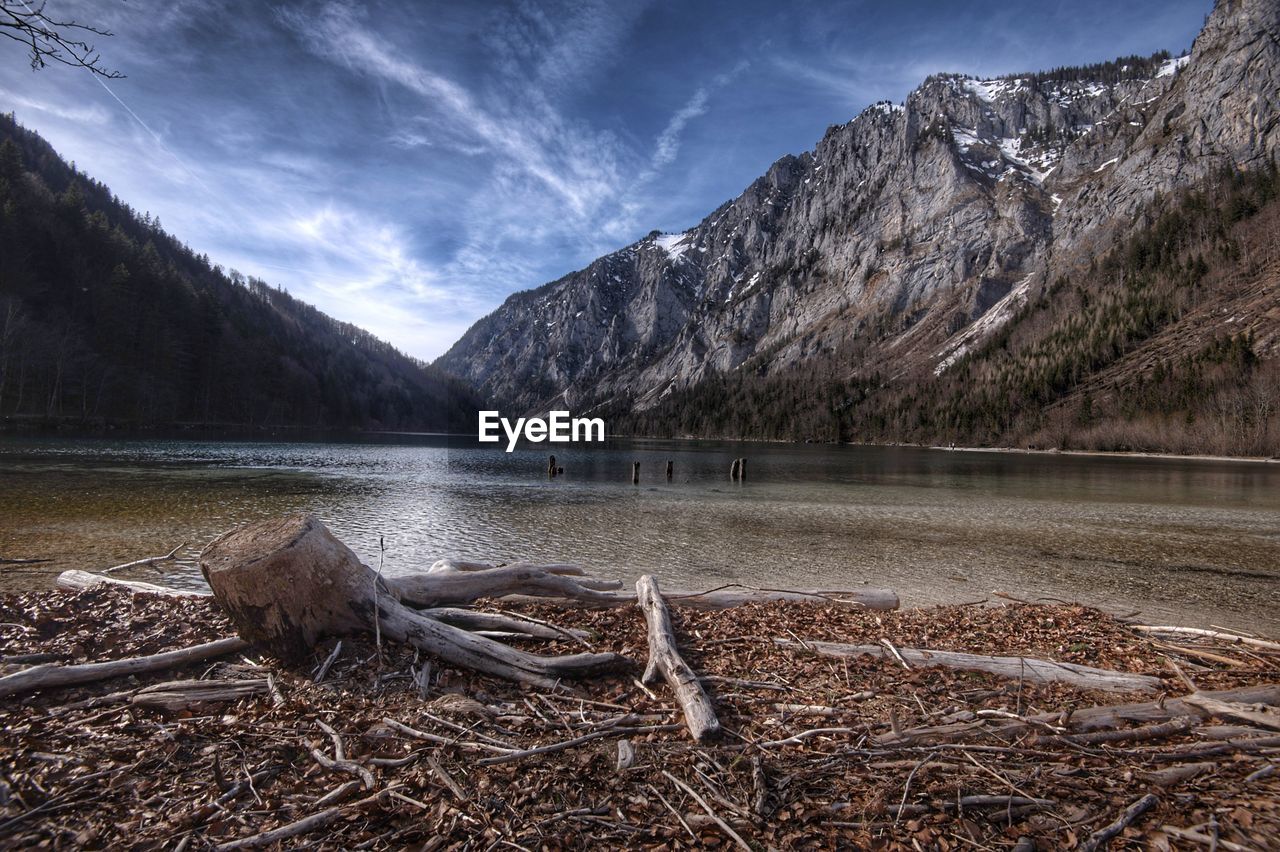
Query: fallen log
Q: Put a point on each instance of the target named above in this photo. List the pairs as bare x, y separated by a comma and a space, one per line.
1094, 718
1267, 718
876, 599
1025, 668
288, 582
80, 580
49, 676
665, 662
448, 583
175, 695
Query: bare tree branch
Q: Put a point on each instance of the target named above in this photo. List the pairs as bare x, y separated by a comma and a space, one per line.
52, 40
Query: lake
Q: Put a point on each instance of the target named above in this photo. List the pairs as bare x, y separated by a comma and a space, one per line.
1187, 541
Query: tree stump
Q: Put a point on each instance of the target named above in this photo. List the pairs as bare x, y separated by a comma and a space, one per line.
288, 582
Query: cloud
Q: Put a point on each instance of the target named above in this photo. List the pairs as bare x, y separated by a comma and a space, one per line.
92, 114
668, 143
541, 143
669, 140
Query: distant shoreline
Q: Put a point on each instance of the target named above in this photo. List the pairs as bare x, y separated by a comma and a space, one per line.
1098, 453
312, 434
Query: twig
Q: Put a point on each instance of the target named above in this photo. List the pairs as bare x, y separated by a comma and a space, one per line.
711, 813
1099, 838
906, 788
338, 751
436, 738
1197, 837
345, 766
576, 741
894, 651
339, 793
1182, 676
804, 735
293, 829
1230, 638
324, 667
645, 689
150, 560
674, 812
446, 778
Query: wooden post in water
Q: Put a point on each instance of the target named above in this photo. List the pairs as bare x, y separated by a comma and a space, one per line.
551, 467
733, 470
742, 470
671, 469
635, 473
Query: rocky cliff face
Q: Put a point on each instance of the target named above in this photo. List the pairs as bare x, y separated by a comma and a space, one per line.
917, 228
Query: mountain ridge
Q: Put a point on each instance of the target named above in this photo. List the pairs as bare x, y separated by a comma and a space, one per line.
106, 320
905, 226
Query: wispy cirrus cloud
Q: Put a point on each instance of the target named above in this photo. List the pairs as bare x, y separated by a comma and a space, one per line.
406, 166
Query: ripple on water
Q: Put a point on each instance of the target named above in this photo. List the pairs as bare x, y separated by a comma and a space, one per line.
1194, 541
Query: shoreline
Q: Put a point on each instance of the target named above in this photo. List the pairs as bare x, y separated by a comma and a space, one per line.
588, 757
1119, 454
323, 435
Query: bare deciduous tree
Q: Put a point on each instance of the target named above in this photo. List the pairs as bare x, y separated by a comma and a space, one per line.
50, 39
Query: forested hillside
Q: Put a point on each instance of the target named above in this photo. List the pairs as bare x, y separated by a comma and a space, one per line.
105, 319
1152, 347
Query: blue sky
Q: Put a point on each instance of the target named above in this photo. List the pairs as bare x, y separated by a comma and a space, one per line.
406, 166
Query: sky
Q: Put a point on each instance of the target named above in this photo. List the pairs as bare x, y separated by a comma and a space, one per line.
407, 166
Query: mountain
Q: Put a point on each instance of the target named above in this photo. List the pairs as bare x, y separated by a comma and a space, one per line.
849, 291
105, 319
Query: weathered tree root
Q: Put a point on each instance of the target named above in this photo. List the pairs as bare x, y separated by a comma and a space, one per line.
287, 582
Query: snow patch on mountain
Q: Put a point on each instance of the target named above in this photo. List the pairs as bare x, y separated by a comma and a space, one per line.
674, 245
1173, 66
999, 314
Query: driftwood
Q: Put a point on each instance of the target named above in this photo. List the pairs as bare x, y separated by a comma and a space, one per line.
48, 676
470, 619
665, 662
79, 580
1024, 668
1095, 718
288, 582
177, 695
1265, 717
446, 583
1232, 638
149, 560
877, 599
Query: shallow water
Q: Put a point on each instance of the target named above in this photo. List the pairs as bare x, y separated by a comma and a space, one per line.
1196, 542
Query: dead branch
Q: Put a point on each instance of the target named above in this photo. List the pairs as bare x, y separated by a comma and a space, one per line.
1026, 668
665, 661
1099, 839
50, 677
149, 560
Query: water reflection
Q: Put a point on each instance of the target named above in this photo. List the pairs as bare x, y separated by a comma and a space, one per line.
1191, 541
